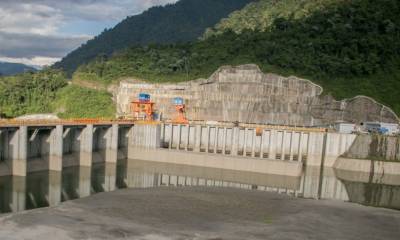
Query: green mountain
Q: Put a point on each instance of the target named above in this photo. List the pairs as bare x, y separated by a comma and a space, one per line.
348, 47
183, 21
7, 69
261, 14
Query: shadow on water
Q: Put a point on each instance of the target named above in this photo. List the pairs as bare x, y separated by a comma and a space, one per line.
49, 188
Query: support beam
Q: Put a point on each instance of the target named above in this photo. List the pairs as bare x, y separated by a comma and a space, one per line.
19, 152
197, 140
56, 149
112, 144
86, 148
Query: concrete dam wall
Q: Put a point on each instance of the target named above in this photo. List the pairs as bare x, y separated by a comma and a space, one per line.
245, 94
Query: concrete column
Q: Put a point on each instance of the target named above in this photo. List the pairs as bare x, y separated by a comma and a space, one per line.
245, 142
86, 148
300, 153
208, 139
284, 139
56, 148
224, 136
272, 144
171, 136
253, 143
216, 136
262, 144
112, 144
19, 152
235, 141
292, 136
187, 137
179, 136
197, 140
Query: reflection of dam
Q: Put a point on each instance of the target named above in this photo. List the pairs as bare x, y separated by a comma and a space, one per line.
50, 188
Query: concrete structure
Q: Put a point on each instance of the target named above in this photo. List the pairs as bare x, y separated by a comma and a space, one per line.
41, 147
247, 95
343, 127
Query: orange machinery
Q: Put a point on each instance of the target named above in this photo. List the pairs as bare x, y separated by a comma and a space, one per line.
180, 108
143, 108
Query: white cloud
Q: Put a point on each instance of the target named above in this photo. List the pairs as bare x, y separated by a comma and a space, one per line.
30, 29
35, 61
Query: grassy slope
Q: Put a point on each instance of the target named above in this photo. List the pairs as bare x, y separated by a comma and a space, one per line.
348, 47
78, 102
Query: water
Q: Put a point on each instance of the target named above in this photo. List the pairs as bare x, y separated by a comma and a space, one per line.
42, 189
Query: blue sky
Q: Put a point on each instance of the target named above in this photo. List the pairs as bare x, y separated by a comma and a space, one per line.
41, 32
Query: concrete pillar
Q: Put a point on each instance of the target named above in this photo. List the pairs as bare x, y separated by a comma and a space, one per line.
235, 141
245, 142
187, 137
208, 139
272, 144
19, 151
300, 152
111, 154
86, 148
283, 144
216, 136
56, 148
291, 148
197, 138
262, 137
178, 145
171, 136
253, 143
224, 136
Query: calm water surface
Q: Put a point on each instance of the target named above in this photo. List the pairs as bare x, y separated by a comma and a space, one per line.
42, 189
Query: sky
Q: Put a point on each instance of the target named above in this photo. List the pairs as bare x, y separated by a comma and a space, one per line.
41, 32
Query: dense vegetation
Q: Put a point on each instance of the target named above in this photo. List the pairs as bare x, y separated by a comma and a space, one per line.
78, 102
181, 22
349, 47
7, 69
260, 15
30, 92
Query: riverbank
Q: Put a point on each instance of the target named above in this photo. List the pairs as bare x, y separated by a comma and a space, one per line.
200, 213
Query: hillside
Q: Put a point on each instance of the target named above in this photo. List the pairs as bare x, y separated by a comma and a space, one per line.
181, 22
348, 47
261, 14
7, 69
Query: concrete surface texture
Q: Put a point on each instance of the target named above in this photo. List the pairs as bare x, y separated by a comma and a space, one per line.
245, 94
375, 147
200, 213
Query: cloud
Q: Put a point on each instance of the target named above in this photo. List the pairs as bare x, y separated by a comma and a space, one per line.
30, 29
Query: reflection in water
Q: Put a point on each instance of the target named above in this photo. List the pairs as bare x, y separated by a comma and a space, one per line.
42, 189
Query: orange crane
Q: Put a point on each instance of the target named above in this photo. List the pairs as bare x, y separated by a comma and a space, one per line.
143, 108
180, 108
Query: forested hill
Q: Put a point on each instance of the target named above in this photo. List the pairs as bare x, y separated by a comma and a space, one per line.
7, 69
260, 15
183, 21
349, 47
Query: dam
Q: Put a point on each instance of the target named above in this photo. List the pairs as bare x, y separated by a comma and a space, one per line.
43, 164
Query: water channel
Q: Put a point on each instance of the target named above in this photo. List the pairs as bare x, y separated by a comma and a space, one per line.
42, 189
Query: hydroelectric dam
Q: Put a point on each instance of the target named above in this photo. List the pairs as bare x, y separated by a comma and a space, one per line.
305, 162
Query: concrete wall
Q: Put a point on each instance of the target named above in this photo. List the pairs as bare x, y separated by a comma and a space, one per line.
310, 147
245, 94
40, 148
